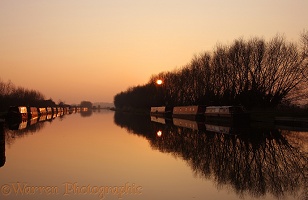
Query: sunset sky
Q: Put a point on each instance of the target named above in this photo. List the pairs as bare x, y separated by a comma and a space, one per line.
74, 50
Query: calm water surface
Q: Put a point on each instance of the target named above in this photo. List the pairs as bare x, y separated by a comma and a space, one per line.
107, 155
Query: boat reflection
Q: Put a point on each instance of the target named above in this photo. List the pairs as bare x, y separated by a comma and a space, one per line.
158, 119
186, 123
15, 125
85, 112
14, 128
250, 161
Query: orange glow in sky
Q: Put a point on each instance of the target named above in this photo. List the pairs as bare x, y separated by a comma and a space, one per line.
78, 50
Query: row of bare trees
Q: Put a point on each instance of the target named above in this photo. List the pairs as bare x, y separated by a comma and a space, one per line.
11, 95
251, 72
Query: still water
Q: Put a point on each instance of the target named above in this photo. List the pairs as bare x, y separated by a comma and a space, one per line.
108, 155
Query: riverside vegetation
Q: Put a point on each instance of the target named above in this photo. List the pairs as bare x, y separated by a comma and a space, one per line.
253, 73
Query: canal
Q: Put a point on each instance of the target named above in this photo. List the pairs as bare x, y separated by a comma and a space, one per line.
108, 155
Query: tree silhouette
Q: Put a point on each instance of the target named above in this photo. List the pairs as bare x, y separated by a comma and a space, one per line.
10, 95
253, 73
86, 104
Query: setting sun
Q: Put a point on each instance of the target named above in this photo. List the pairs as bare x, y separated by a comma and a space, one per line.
159, 82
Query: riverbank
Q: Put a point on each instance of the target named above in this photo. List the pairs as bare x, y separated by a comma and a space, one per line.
269, 115
132, 110
2, 115
256, 115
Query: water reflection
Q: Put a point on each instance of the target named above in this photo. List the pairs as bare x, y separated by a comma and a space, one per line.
13, 129
86, 113
2, 145
249, 160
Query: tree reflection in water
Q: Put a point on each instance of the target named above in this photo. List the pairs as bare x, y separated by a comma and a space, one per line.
13, 131
253, 161
2, 145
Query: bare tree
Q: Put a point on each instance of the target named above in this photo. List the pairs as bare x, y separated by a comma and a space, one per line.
251, 73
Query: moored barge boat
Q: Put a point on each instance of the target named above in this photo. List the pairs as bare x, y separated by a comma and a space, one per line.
189, 112
43, 114
33, 112
162, 111
42, 111
72, 110
17, 113
54, 112
49, 110
59, 111
226, 113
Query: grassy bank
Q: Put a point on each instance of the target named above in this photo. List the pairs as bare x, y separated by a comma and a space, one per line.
132, 110
256, 115
269, 115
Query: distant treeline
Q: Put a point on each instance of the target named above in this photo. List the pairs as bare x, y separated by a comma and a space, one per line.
11, 95
252, 73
